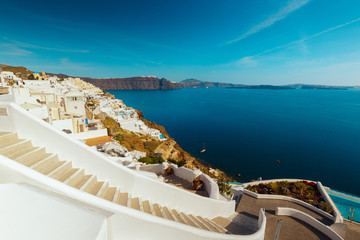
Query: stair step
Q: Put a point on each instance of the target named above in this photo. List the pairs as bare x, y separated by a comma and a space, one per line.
199, 223
157, 210
32, 157
78, 174
103, 189
17, 149
109, 194
78, 179
135, 204
8, 139
176, 214
146, 207
89, 181
215, 226
34, 164
122, 199
94, 187
168, 215
63, 172
47, 165
116, 195
188, 220
219, 222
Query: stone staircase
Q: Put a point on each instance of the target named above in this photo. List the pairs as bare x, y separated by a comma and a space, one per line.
36, 158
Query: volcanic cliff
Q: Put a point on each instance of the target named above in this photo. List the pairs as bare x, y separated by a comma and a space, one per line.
133, 83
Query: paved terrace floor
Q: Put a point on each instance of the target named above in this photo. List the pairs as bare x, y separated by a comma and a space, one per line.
183, 184
291, 228
352, 230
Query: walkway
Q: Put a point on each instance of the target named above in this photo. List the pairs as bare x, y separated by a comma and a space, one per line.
352, 230
291, 228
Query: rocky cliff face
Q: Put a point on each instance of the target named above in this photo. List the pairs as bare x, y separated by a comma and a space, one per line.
21, 72
133, 83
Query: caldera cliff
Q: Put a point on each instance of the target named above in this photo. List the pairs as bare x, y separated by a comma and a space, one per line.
133, 83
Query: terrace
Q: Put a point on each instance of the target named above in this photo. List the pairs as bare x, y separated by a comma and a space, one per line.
183, 184
300, 214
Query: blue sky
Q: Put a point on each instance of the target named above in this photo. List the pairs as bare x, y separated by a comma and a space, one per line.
240, 41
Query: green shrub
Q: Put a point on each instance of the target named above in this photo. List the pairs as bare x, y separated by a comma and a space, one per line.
224, 186
326, 207
151, 160
170, 160
181, 162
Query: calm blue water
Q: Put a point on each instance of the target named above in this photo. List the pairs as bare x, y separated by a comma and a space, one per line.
314, 133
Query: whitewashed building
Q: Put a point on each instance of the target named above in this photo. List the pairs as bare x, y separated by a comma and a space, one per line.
75, 103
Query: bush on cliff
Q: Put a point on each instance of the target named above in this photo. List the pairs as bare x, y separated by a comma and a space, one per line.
151, 160
224, 186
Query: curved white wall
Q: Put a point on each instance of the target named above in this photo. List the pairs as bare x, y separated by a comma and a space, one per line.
309, 220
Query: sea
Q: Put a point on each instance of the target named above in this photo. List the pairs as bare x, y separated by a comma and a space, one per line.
250, 133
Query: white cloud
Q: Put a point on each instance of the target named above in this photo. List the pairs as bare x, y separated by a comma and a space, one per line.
13, 50
300, 42
247, 61
31, 46
272, 19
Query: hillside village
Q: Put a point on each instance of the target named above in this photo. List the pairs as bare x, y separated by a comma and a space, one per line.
96, 118
73, 106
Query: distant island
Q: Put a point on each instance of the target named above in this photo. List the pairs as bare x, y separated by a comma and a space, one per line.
195, 83
271, 87
155, 83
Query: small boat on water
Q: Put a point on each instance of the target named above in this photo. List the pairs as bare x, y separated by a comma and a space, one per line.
204, 149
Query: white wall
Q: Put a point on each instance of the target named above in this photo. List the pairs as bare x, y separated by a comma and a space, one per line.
211, 186
8, 97
155, 168
31, 213
91, 134
75, 107
63, 124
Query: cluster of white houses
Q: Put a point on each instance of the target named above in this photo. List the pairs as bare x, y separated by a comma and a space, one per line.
70, 105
